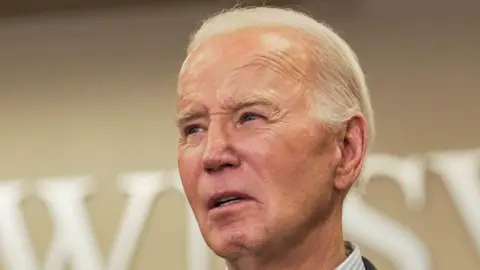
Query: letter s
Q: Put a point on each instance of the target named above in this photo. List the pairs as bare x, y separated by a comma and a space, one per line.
377, 231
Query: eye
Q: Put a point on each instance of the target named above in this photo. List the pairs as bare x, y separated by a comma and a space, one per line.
249, 117
192, 129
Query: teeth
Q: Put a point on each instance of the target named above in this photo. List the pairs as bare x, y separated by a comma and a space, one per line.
226, 201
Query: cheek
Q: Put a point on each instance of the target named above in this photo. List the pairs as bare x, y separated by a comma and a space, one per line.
188, 167
275, 158
289, 164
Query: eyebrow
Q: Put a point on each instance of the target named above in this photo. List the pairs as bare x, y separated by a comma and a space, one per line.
236, 105
188, 116
231, 105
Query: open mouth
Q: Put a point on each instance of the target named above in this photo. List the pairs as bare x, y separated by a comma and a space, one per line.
222, 200
226, 201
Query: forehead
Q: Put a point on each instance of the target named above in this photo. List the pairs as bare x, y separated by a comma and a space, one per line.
246, 62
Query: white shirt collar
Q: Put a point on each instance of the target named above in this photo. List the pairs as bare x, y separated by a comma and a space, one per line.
354, 260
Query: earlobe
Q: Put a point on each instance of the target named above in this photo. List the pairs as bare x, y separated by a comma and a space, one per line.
353, 150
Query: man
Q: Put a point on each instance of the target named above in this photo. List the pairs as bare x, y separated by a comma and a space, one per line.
274, 116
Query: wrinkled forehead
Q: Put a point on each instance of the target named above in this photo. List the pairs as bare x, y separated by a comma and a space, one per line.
246, 41
257, 56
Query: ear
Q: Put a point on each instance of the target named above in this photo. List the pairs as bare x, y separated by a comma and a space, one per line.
353, 146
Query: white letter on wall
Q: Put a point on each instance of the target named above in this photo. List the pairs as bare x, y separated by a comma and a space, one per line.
459, 171
15, 247
381, 233
74, 242
142, 190
198, 253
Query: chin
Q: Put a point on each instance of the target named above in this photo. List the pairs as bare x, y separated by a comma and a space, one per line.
235, 242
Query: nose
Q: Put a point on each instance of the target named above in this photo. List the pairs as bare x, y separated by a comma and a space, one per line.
219, 154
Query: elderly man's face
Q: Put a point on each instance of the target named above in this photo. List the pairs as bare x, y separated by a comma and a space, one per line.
255, 164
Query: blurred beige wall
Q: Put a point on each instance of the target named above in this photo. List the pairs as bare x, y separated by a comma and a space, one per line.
93, 94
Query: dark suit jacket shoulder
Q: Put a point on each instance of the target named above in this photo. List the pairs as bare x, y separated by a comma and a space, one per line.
368, 264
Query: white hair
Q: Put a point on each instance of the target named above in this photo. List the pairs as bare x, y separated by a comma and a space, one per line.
342, 89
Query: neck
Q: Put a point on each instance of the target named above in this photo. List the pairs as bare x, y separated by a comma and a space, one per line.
322, 248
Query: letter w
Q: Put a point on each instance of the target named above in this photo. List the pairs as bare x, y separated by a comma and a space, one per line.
73, 240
